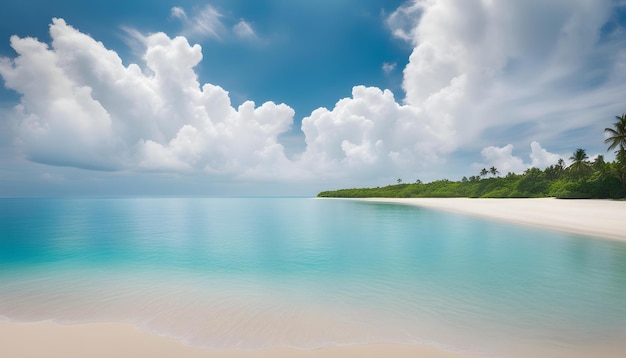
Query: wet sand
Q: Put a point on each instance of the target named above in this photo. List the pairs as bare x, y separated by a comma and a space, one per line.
47, 339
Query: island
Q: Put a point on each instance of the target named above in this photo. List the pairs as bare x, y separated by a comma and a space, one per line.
582, 179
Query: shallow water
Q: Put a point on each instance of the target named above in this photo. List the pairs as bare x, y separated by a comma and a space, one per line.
263, 272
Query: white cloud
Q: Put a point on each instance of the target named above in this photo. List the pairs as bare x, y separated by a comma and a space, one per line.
160, 118
371, 133
389, 67
210, 22
534, 62
541, 158
528, 71
243, 140
503, 159
54, 109
402, 21
244, 30
205, 22
82, 107
178, 12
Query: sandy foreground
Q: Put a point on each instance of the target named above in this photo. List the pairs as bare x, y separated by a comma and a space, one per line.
46, 339
602, 218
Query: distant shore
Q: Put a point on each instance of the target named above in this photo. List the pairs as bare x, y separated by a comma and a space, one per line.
600, 218
104, 340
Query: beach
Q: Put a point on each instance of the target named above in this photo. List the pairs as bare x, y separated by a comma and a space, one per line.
112, 339
46, 339
598, 218
595, 218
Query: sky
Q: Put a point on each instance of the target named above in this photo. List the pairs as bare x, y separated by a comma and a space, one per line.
247, 98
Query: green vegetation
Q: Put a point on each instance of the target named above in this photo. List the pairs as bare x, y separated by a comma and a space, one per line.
581, 180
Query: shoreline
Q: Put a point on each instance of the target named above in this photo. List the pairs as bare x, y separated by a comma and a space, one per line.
113, 339
590, 217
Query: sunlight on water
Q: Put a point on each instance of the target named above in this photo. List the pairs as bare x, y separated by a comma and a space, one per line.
264, 272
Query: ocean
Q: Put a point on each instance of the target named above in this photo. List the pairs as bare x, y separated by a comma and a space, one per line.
302, 272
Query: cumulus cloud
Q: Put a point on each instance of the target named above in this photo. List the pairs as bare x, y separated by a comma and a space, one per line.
521, 72
541, 158
82, 107
503, 159
371, 132
537, 63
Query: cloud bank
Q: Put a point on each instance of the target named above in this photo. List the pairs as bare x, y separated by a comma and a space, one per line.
495, 66
503, 159
82, 107
481, 73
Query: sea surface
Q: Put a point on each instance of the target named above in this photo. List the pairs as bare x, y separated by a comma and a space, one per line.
301, 272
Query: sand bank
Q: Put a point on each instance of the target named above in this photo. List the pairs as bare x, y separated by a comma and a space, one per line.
46, 339
603, 218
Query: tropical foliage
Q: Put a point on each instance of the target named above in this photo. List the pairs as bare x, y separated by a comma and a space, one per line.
580, 165
617, 140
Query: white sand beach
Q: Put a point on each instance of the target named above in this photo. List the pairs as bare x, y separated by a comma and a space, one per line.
601, 218
123, 340
46, 339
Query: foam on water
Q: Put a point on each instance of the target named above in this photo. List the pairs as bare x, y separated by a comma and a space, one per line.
258, 273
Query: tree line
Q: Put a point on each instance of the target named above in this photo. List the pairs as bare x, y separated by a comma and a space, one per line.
582, 179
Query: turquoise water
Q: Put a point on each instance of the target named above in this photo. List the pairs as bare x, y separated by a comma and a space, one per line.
263, 272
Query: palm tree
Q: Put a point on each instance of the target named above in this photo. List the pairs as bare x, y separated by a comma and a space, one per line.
617, 138
599, 164
579, 162
484, 172
399, 181
494, 171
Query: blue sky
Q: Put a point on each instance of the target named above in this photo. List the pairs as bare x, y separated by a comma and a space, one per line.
305, 54
115, 98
